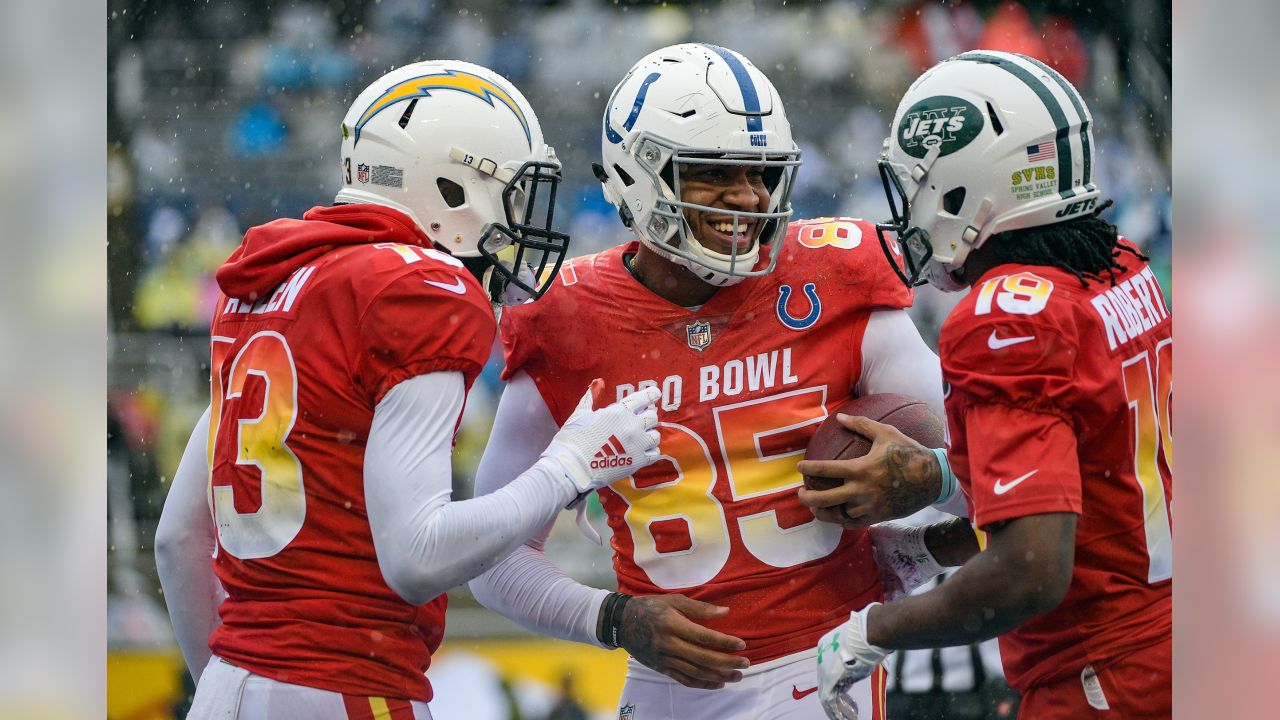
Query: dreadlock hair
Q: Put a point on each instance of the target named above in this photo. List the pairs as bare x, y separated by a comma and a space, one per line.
1085, 247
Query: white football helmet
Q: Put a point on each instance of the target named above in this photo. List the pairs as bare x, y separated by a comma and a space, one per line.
458, 149
982, 143
696, 104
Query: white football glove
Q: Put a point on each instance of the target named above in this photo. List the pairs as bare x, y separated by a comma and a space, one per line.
905, 562
845, 658
513, 294
598, 447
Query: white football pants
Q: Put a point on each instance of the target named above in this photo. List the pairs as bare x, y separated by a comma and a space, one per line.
782, 689
227, 692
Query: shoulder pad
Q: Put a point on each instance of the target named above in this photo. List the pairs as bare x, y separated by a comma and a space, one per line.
846, 251
1009, 323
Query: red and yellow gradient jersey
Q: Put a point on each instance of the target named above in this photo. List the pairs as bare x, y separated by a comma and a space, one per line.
1059, 401
745, 381
364, 303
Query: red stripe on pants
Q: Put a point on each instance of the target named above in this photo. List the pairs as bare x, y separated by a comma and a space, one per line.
400, 709
878, 684
358, 707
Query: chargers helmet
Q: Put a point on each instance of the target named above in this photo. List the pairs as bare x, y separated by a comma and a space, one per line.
982, 143
696, 104
458, 149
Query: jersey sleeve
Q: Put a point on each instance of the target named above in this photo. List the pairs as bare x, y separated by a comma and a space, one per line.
1023, 361
411, 327
519, 346
529, 334
1023, 463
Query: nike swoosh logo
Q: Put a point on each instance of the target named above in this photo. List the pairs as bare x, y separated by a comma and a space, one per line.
1004, 487
995, 343
457, 288
799, 694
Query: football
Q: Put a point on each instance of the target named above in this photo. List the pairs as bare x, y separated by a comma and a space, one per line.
832, 441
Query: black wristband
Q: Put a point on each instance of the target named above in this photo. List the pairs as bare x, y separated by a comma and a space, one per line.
615, 623
604, 633
611, 619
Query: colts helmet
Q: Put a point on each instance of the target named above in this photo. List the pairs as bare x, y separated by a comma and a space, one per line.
458, 149
981, 143
696, 104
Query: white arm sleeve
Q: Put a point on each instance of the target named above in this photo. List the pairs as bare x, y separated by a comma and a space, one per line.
185, 544
425, 543
895, 359
525, 586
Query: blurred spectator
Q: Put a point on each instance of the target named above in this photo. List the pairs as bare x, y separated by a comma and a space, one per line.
178, 291
566, 706
259, 131
302, 52
402, 27
1010, 29
157, 158
134, 618
934, 32
1065, 51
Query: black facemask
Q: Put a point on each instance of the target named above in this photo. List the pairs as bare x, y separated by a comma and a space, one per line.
530, 214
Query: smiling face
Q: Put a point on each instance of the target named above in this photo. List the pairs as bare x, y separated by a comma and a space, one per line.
724, 187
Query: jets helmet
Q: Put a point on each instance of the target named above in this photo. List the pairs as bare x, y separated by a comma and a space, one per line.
981, 143
695, 104
458, 149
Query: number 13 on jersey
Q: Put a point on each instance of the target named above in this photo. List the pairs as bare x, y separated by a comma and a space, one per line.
258, 502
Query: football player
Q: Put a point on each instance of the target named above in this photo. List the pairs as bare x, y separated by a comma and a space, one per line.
752, 329
1059, 366
342, 352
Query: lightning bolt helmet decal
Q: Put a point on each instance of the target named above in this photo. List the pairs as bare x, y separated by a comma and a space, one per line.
457, 80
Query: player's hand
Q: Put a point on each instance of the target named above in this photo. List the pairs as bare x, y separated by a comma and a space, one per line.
904, 560
598, 447
513, 294
897, 477
660, 631
845, 658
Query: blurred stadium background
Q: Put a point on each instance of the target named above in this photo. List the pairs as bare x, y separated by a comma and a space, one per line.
224, 114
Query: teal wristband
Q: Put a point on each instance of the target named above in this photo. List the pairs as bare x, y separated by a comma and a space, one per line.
948, 477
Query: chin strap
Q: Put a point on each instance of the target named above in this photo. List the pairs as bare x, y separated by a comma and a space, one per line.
483, 165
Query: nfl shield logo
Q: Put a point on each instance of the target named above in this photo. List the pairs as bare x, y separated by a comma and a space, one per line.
362, 173
699, 335
628, 712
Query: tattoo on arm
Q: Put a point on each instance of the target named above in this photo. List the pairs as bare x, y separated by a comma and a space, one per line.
914, 478
636, 634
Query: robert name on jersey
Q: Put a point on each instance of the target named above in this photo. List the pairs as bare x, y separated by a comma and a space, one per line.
1131, 308
752, 373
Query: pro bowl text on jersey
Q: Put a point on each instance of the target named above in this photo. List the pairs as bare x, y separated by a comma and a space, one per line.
750, 373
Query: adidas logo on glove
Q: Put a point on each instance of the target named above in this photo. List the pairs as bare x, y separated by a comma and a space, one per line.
608, 455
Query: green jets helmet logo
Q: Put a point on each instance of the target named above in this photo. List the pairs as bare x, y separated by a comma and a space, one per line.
951, 121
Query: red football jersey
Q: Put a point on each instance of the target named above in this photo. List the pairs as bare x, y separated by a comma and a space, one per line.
745, 381
1059, 400
349, 302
